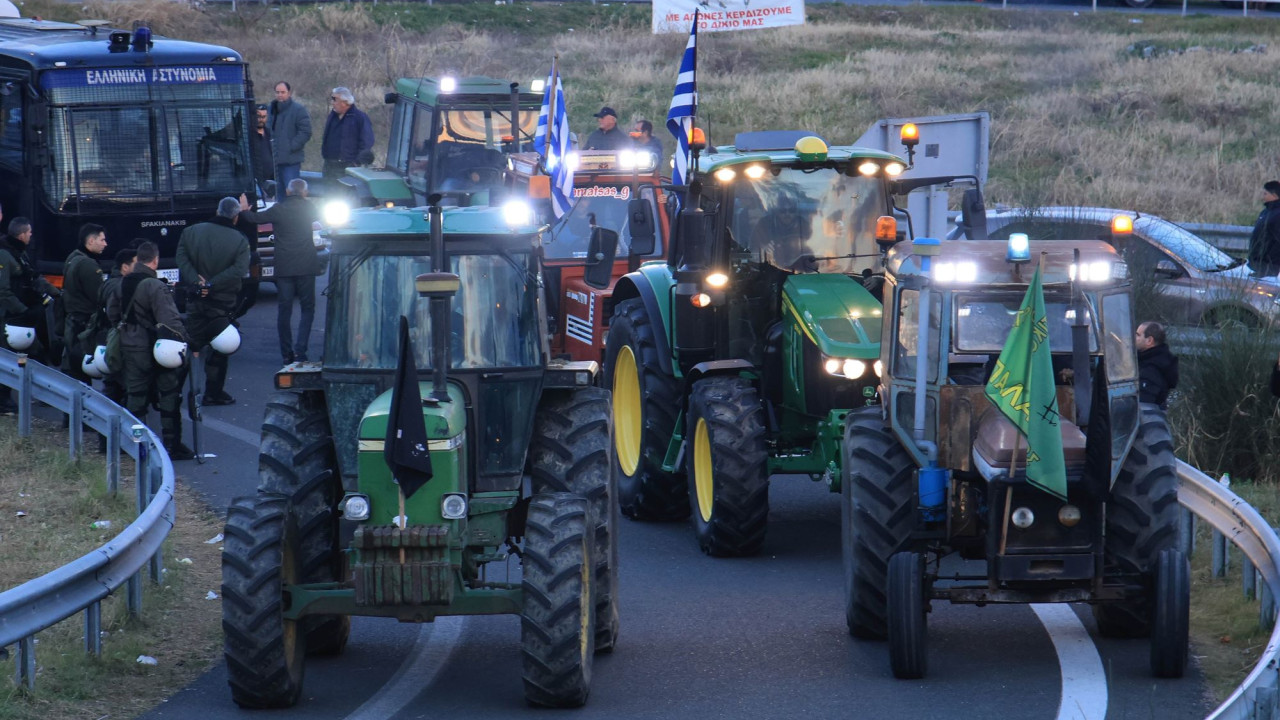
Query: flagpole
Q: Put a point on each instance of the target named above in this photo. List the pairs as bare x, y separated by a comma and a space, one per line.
551, 103
404, 521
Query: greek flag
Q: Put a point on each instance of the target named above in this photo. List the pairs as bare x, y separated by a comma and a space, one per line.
551, 140
684, 104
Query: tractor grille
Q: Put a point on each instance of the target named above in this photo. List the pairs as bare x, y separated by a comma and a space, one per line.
425, 577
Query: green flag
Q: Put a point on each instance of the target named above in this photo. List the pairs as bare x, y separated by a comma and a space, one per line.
1022, 387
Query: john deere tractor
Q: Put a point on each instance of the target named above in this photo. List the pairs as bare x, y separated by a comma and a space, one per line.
741, 355
449, 136
519, 479
937, 470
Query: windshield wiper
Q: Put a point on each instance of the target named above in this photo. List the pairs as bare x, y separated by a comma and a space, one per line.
346, 274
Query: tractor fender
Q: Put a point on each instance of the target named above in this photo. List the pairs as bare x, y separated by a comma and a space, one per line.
640, 284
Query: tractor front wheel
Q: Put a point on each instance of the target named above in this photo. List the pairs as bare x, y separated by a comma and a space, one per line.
570, 452
726, 466
908, 621
1142, 521
557, 623
646, 402
265, 652
876, 518
296, 459
1171, 617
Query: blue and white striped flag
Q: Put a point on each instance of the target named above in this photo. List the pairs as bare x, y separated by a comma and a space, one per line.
552, 140
684, 105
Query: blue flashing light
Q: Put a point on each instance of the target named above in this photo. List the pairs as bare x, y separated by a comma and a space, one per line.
142, 39
1019, 248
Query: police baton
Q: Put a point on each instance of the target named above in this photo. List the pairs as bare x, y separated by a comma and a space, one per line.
194, 403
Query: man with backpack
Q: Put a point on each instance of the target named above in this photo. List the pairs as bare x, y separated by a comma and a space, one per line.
146, 314
81, 284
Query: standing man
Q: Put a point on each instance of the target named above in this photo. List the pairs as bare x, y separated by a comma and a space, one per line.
1157, 366
26, 294
348, 135
296, 264
81, 284
644, 140
113, 384
607, 136
264, 167
290, 126
145, 304
213, 257
1264, 244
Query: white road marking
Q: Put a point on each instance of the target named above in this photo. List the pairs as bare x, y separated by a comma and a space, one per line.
1084, 682
436, 641
231, 431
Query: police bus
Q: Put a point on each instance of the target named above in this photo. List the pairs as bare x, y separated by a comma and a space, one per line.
140, 134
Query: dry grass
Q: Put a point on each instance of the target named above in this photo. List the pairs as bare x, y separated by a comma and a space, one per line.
1080, 113
178, 626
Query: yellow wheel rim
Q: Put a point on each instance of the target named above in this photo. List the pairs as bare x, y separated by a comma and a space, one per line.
702, 476
628, 420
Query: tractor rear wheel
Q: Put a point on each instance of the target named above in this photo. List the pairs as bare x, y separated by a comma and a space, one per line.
726, 466
646, 402
1142, 521
907, 618
265, 652
1171, 616
296, 459
876, 519
570, 452
557, 623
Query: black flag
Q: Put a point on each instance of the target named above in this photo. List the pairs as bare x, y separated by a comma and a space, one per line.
1097, 443
406, 444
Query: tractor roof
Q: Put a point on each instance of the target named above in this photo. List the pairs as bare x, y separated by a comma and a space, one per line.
398, 221
990, 266
470, 89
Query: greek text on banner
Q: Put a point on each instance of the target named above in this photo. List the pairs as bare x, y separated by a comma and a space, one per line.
671, 16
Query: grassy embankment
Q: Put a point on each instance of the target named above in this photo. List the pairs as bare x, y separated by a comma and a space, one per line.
1172, 116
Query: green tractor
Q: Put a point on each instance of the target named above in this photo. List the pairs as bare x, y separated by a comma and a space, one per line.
520, 467
742, 354
937, 470
449, 136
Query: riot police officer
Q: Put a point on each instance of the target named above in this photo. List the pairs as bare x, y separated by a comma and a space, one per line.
24, 294
213, 258
82, 280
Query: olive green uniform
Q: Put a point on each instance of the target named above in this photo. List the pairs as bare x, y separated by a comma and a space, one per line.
219, 253
148, 314
81, 285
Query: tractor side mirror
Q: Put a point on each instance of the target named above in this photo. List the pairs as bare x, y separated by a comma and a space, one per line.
641, 223
601, 251
973, 214
389, 98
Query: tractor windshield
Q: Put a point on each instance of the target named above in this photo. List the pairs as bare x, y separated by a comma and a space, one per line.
608, 203
982, 322
494, 314
820, 212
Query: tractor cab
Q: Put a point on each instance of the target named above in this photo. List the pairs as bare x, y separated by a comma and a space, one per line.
449, 136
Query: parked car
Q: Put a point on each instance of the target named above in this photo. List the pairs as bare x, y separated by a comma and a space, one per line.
1193, 282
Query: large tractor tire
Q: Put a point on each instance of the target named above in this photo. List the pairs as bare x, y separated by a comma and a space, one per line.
570, 453
1171, 615
1142, 521
646, 402
726, 466
877, 516
296, 459
557, 623
261, 553
907, 616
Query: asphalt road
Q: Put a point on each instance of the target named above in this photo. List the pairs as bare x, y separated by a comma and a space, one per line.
762, 637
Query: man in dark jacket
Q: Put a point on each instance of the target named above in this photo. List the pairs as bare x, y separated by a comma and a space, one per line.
296, 264
146, 306
264, 166
1264, 244
108, 296
24, 292
607, 136
81, 283
1157, 367
290, 126
213, 258
348, 135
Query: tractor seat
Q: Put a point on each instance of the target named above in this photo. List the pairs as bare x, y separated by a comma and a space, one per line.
996, 437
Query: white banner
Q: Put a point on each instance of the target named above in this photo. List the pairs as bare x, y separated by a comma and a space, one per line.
671, 16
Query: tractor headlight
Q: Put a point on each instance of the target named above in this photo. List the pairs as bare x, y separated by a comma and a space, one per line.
517, 214
354, 507
448, 84
868, 168
1091, 272
717, 280
849, 368
1069, 515
336, 213
627, 160
1022, 518
894, 169
724, 175
878, 367
956, 272
453, 506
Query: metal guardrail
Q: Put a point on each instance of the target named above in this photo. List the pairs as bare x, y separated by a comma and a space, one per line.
1238, 522
82, 584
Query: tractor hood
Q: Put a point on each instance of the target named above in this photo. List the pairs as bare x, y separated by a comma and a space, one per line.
444, 420
836, 312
